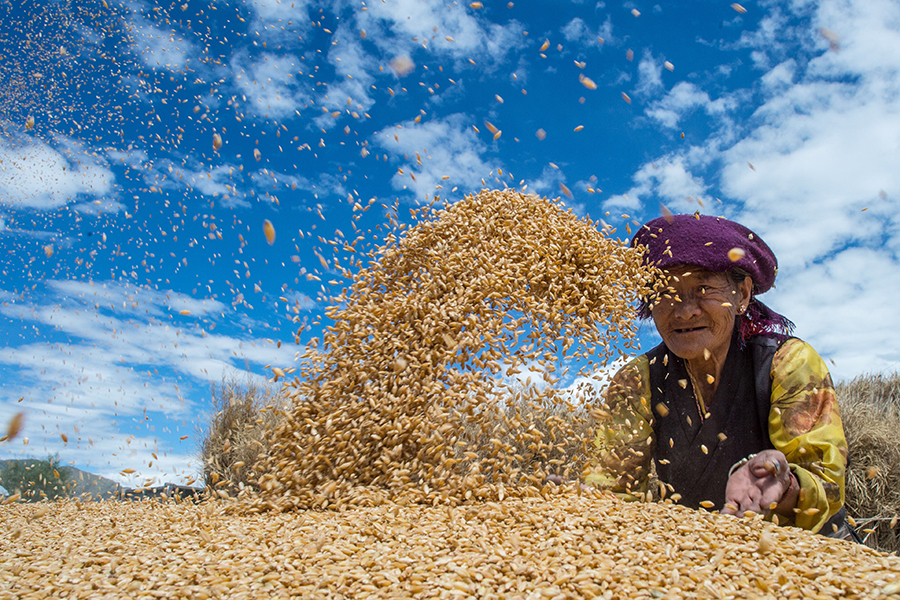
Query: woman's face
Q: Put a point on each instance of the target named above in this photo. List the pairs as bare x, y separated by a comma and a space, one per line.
697, 312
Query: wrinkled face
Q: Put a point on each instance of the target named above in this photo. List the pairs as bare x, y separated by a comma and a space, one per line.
698, 311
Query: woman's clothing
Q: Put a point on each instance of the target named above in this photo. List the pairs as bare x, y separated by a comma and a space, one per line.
773, 393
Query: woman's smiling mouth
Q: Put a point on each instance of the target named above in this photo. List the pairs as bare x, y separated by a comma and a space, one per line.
689, 329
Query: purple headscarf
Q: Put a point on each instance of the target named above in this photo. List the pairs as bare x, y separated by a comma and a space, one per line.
720, 246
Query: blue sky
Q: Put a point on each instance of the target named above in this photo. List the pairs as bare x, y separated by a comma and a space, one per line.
134, 265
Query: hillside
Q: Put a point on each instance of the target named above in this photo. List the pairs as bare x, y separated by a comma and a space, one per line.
80, 482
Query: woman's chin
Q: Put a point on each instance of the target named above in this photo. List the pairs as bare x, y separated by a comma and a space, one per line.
685, 351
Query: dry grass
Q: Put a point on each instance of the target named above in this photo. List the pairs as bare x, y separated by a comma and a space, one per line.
235, 437
870, 409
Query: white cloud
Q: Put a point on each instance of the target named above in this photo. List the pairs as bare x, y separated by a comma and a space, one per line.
670, 181
574, 30
34, 174
214, 182
820, 147
402, 26
681, 100
446, 147
649, 74
279, 11
354, 67
578, 32
847, 304
159, 48
272, 84
129, 350
548, 182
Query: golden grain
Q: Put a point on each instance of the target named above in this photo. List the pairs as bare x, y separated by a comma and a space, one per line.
15, 426
409, 378
568, 545
269, 231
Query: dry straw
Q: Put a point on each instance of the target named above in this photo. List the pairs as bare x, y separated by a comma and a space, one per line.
408, 392
870, 411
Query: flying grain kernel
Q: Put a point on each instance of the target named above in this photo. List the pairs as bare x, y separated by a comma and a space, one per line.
662, 409
269, 231
740, 9
217, 142
14, 427
669, 66
406, 373
834, 41
736, 254
626, 97
402, 65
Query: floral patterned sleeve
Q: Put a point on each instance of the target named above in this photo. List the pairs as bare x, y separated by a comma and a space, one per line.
624, 439
805, 425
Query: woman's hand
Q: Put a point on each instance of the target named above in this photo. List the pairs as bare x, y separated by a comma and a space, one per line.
762, 485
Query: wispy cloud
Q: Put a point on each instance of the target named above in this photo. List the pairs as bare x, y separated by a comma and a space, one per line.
442, 152
42, 175
811, 171
578, 32
406, 25
119, 352
271, 83
681, 100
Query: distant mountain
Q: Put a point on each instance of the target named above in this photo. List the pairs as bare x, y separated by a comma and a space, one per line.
94, 487
79, 482
82, 482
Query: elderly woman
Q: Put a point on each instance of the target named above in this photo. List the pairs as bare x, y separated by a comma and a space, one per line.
736, 414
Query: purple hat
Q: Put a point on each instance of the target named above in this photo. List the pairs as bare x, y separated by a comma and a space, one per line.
714, 243
718, 245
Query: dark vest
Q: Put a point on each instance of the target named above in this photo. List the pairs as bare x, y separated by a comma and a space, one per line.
693, 455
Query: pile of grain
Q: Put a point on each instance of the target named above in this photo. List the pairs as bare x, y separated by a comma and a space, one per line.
409, 390
566, 546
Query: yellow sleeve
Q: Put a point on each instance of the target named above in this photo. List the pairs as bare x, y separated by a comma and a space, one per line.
805, 425
624, 439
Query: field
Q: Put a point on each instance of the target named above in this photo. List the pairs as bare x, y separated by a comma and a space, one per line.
561, 545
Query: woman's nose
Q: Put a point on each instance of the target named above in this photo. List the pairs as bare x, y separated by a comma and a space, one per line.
687, 306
